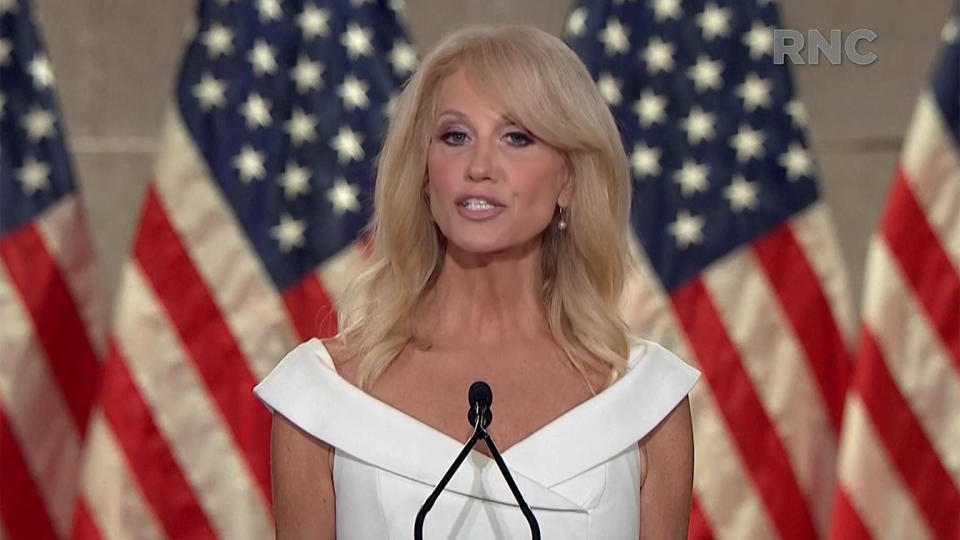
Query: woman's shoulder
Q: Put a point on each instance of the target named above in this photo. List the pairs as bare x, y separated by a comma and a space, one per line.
311, 364
310, 387
657, 374
644, 352
342, 357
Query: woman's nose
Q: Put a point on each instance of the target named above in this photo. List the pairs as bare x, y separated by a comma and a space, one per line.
482, 162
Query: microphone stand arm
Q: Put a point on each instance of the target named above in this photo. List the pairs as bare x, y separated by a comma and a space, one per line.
428, 504
527, 513
479, 432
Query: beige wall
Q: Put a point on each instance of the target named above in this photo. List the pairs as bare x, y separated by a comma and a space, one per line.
115, 61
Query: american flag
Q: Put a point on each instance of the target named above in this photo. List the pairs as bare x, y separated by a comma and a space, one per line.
899, 463
260, 187
51, 316
744, 275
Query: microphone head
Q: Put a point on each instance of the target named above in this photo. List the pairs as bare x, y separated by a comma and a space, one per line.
481, 394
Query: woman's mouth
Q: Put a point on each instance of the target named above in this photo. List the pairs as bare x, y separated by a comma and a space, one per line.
478, 208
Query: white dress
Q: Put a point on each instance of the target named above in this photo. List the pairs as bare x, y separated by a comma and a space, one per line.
579, 473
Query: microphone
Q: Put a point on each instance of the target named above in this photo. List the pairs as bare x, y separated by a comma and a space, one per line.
480, 397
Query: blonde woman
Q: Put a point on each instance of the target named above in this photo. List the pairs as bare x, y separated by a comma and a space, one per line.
500, 247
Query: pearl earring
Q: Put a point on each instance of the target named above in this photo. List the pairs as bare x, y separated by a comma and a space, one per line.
562, 221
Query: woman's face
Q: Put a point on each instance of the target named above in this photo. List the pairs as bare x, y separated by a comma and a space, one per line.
492, 185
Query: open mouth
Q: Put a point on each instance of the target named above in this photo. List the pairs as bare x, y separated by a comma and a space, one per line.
474, 203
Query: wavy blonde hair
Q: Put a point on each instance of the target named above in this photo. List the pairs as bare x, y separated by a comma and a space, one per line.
543, 86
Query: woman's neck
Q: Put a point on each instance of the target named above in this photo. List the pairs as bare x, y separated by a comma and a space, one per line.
485, 300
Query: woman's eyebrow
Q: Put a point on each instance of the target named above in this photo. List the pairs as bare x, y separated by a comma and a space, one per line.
504, 119
451, 112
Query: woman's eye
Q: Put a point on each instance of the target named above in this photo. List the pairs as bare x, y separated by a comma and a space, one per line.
454, 137
519, 138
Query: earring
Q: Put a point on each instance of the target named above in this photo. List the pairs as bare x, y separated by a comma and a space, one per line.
561, 221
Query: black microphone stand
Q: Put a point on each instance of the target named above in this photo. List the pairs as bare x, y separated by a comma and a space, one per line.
481, 419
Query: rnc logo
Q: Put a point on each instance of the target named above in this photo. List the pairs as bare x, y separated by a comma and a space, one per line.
789, 43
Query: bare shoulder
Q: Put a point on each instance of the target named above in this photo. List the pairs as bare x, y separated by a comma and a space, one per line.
343, 358
675, 431
302, 471
336, 348
668, 483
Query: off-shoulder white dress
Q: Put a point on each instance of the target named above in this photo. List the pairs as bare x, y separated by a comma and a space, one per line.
579, 473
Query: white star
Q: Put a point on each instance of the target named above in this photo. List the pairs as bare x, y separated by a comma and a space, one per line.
289, 232
609, 88
210, 92
313, 22
687, 229
402, 58
950, 31
41, 71
577, 22
755, 92
33, 175
307, 74
645, 160
759, 39
261, 56
699, 125
295, 180
741, 194
614, 38
357, 41
343, 196
692, 178
658, 55
353, 92
5, 49
651, 108
797, 113
347, 143
390, 105
796, 160
748, 143
219, 40
666, 9
301, 127
714, 21
249, 164
257, 111
269, 10
706, 74
39, 123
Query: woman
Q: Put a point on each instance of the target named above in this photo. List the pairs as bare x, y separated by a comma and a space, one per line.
500, 246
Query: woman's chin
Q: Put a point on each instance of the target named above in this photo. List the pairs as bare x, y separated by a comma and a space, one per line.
479, 247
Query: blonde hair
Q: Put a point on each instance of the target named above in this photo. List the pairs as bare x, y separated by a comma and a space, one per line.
544, 87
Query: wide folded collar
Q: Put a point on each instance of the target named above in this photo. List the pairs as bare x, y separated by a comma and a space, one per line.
306, 389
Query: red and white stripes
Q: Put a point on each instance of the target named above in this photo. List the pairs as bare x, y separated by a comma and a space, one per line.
768, 326
197, 323
899, 468
50, 312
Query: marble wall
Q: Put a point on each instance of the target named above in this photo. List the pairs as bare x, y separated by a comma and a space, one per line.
115, 63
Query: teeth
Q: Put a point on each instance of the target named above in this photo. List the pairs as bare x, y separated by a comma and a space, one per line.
477, 204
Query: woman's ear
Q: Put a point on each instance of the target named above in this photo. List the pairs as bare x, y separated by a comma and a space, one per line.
566, 190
